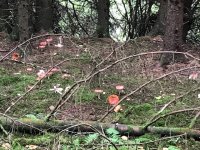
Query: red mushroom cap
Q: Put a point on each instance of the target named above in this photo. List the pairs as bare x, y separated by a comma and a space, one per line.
15, 56
43, 43
42, 46
113, 99
98, 91
119, 87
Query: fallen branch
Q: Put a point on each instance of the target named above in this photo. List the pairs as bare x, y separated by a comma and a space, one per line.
32, 125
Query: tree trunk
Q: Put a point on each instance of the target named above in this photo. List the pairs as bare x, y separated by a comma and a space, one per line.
173, 33
44, 15
159, 26
23, 19
103, 18
3, 14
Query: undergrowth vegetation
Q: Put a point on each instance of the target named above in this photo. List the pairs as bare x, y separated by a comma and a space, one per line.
86, 104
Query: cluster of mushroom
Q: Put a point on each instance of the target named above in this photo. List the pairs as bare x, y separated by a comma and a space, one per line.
42, 74
45, 42
113, 99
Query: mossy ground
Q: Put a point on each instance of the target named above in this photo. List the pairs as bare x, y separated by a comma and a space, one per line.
138, 108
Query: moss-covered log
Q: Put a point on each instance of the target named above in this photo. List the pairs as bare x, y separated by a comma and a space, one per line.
38, 125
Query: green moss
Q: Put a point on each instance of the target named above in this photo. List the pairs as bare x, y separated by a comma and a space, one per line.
85, 57
84, 94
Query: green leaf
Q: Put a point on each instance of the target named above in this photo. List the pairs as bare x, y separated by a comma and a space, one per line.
31, 116
158, 97
173, 148
141, 140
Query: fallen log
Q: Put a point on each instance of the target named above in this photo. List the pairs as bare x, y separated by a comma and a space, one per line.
38, 125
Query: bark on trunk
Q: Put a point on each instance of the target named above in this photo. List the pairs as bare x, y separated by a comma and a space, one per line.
23, 19
159, 27
173, 33
103, 18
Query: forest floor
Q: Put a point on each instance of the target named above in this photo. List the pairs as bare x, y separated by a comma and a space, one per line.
74, 62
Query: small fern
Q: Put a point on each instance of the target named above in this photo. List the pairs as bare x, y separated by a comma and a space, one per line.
91, 137
112, 131
113, 135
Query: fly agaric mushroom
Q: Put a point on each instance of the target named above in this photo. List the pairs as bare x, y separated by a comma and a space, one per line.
41, 46
120, 89
98, 92
15, 56
113, 99
49, 40
43, 43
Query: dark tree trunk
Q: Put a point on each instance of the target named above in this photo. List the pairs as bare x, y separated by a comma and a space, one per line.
23, 19
159, 26
173, 33
3, 14
44, 15
103, 18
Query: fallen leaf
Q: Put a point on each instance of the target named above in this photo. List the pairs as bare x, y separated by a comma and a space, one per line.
17, 73
31, 147
65, 76
6, 146
41, 74
57, 89
140, 148
118, 108
125, 138
51, 107
193, 76
29, 69
59, 45
67, 88
55, 70
158, 97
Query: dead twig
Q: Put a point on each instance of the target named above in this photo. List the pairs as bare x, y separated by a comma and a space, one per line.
172, 113
194, 120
